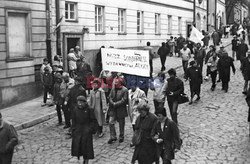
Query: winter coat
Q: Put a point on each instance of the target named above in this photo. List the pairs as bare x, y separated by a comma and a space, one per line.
118, 100
212, 63
133, 99
241, 54
47, 80
65, 87
245, 68
8, 138
224, 64
206, 40
83, 126
99, 104
180, 42
72, 61
199, 55
209, 54
98, 62
174, 85
145, 152
151, 54
171, 138
75, 91
216, 38
195, 79
163, 51
57, 94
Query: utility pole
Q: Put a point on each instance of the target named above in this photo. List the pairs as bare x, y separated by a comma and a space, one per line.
48, 39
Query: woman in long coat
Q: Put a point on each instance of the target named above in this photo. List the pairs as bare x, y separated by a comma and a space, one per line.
145, 151
83, 126
194, 75
99, 104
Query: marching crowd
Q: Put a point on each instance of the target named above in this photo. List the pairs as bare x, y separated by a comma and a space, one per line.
88, 103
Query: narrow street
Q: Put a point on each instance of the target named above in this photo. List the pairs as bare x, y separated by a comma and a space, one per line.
214, 131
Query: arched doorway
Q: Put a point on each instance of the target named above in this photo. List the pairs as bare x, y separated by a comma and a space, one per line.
198, 21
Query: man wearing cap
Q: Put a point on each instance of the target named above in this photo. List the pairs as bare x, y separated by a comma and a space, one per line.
235, 45
243, 48
245, 69
8, 140
224, 64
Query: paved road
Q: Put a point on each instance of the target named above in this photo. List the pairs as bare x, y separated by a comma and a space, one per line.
214, 130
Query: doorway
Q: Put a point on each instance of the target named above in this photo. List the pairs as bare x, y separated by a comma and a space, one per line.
72, 43
189, 29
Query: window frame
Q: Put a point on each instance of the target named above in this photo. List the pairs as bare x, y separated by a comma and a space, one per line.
120, 10
157, 23
75, 11
170, 23
96, 20
141, 23
28, 19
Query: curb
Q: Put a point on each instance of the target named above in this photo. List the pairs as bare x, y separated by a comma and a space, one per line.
35, 121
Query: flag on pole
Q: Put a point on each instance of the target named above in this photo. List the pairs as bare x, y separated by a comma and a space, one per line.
58, 25
196, 36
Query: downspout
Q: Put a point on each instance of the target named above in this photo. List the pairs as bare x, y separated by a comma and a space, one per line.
215, 23
58, 32
48, 39
208, 16
194, 14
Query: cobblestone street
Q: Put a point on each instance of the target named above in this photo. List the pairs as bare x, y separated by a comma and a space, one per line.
214, 130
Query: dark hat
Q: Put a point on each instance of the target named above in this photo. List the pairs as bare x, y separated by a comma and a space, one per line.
46, 69
81, 98
161, 111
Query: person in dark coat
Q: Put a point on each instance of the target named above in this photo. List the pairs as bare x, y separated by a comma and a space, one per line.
248, 103
224, 64
167, 137
117, 111
8, 140
194, 76
83, 71
210, 53
47, 84
83, 127
173, 89
98, 62
205, 39
245, 69
180, 42
145, 152
163, 52
235, 45
190, 45
58, 100
199, 56
212, 64
216, 38
242, 50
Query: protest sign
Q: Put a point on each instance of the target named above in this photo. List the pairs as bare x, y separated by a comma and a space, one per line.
133, 62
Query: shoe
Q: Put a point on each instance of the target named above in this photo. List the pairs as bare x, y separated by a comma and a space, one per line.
191, 102
101, 135
244, 92
222, 89
44, 104
226, 90
197, 99
110, 141
65, 127
131, 144
60, 123
121, 140
206, 78
218, 81
212, 89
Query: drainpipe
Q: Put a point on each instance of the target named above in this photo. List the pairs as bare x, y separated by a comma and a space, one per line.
194, 14
208, 15
48, 39
58, 32
215, 12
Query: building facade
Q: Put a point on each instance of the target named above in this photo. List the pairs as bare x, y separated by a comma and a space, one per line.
91, 24
236, 12
22, 49
201, 15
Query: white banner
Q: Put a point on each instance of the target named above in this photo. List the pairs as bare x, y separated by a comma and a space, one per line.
134, 62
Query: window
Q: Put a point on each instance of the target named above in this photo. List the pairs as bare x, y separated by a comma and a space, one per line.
70, 11
169, 24
99, 19
18, 37
157, 24
121, 20
179, 25
139, 21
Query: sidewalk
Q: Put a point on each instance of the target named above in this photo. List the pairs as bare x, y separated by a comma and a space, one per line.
30, 113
